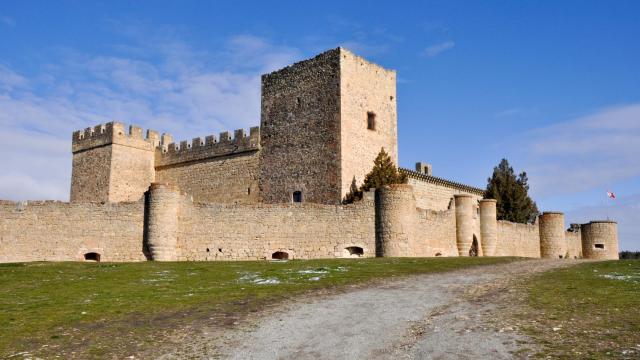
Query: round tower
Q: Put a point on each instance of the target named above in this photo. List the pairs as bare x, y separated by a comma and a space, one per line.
464, 223
395, 220
600, 240
488, 226
162, 225
552, 241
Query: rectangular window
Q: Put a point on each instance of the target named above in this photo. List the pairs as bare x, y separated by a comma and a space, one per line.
371, 120
297, 196
599, 246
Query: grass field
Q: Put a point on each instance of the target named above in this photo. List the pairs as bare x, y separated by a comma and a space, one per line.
93, 309
587, 311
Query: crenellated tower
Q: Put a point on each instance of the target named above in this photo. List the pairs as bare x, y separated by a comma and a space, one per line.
323, 122
111, 164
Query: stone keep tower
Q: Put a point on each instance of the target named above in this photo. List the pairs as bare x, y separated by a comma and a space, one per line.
323, 122
111, 164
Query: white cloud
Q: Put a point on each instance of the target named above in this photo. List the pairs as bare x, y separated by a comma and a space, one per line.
585, 153
166, 86
437, 49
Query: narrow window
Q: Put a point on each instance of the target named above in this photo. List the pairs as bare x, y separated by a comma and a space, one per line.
371, 120
297, 196
92, 256
599, 246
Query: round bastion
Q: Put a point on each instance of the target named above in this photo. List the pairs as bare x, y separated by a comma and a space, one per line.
600, 240
552, 241
396, 220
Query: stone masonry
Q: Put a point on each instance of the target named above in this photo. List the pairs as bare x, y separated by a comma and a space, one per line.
275, 192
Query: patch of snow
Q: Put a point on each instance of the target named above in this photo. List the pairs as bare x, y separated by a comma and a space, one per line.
314, 271
270, 281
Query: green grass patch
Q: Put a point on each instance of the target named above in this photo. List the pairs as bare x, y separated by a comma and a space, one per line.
92, 309
591, 310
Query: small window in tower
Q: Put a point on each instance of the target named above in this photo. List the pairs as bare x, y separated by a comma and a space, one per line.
599, 246
371, 120
297, 196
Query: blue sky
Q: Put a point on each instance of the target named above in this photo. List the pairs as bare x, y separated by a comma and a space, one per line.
550, 85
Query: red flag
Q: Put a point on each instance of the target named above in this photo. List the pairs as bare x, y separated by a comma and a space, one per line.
611, 194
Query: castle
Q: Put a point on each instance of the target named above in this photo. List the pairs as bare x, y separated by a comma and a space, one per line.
275, 193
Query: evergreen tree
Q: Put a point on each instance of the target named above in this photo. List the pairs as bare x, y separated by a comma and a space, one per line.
384, 172
354, 193
511, 193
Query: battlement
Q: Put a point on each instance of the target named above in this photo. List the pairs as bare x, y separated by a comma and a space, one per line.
114, 133
199, 149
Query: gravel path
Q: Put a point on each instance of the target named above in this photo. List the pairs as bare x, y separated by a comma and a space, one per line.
437, 316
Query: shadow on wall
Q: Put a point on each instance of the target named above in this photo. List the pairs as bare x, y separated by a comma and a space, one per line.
145, 228
473, 251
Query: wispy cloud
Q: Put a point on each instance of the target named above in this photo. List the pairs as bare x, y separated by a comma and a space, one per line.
584, 153
437, 49
508, 113
7, 21
165, 85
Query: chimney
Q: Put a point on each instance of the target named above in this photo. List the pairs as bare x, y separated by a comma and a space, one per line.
423, 168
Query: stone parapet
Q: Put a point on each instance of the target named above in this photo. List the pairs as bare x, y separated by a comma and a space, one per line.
114, 133
209, 147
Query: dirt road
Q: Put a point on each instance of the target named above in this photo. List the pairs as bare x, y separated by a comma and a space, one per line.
438, 316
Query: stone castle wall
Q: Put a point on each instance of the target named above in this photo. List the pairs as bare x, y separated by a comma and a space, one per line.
227, 179
518, 240
574, 243
436, 233
367, 89
437, 194
57, 231
168, 225
256, 232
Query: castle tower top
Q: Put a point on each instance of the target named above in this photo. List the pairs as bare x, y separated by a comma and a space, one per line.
323, 122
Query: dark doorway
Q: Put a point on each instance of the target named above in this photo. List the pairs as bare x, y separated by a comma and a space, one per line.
92, 256
474, 247
355, 251
297, 196
280, 255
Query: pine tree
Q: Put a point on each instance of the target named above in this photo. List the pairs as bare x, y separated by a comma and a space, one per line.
354, 193
384, 172
511, 193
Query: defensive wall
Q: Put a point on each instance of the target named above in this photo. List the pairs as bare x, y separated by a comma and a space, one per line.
59, 231
167, 225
